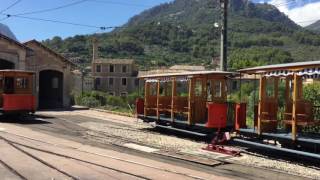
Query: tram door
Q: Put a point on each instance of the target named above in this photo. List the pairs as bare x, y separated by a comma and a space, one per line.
8, 85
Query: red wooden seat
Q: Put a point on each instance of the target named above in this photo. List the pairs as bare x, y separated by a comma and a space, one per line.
269, 115
304, 114
164, 103
180, 105
150, 106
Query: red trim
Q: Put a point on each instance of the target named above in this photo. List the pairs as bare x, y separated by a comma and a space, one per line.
19, 102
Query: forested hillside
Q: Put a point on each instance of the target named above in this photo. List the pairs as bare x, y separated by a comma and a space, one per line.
5, 30
183, 32
314, 26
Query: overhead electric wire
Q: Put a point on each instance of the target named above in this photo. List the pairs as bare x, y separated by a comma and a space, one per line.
60, 22
53, 9
79, 2
13, 4
7, 8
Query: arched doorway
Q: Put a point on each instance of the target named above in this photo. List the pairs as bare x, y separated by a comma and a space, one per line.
50, 89
4, 64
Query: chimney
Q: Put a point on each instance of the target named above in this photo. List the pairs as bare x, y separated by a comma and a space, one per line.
94, 49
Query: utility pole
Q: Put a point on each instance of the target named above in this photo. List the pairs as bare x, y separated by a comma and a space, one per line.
224, 29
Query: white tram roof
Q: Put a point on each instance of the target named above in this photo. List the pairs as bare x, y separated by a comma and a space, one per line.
287, 66
188, 73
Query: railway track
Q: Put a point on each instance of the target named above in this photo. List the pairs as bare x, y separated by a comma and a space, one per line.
115, 140
12, 170
16, 144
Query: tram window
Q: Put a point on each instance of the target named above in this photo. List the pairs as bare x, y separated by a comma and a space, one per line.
182, 89
165, 89
217, 85
198, 87
153, 89
270, 87
209, 91
22, 83
1, 82
8, 85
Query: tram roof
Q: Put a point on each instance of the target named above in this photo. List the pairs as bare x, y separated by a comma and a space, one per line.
224, 73
287, 66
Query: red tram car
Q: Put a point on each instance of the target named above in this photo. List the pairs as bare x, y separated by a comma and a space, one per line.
17, 92
197, 103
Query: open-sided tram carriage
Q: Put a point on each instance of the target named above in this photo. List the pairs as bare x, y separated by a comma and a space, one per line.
286, 124
197, 102
193, 101
17, 92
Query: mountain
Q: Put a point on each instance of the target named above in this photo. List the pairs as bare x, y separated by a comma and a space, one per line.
5, 30
314, 26
183, 32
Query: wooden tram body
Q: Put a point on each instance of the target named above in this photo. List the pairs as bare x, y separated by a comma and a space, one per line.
286, 126
17, 92
203, 105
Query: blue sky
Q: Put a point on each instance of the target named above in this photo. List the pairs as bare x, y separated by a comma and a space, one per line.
91, 12
111, 13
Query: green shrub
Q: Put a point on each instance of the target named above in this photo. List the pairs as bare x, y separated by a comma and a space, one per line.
101, 99
116, 101
311, 92
89, 102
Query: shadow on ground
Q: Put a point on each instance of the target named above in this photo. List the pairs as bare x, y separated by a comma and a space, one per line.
25, 119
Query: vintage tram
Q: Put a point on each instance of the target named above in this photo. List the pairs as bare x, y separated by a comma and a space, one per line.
295, 123
193, 101
197, 103
17, 92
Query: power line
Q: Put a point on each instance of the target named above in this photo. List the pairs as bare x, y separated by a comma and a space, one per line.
60, 22
7, 8
13, 4
53, 9
79, 2
72, 4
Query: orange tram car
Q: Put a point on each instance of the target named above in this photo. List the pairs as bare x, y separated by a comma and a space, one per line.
17, 88
197, 103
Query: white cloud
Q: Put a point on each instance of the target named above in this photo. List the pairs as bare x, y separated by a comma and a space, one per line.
302, 15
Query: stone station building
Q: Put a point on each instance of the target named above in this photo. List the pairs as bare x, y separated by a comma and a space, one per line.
53, 72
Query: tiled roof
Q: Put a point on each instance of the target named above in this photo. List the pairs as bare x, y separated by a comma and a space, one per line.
14, 41
187, 68
187, 74
114, 61
50, 51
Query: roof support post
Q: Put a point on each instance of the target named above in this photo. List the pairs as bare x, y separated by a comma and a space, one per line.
158, 96
146, 95
174, 94
190, 99
294, 107
261, 101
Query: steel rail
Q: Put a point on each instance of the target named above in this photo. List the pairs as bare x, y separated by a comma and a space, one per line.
111, 157
36, 158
